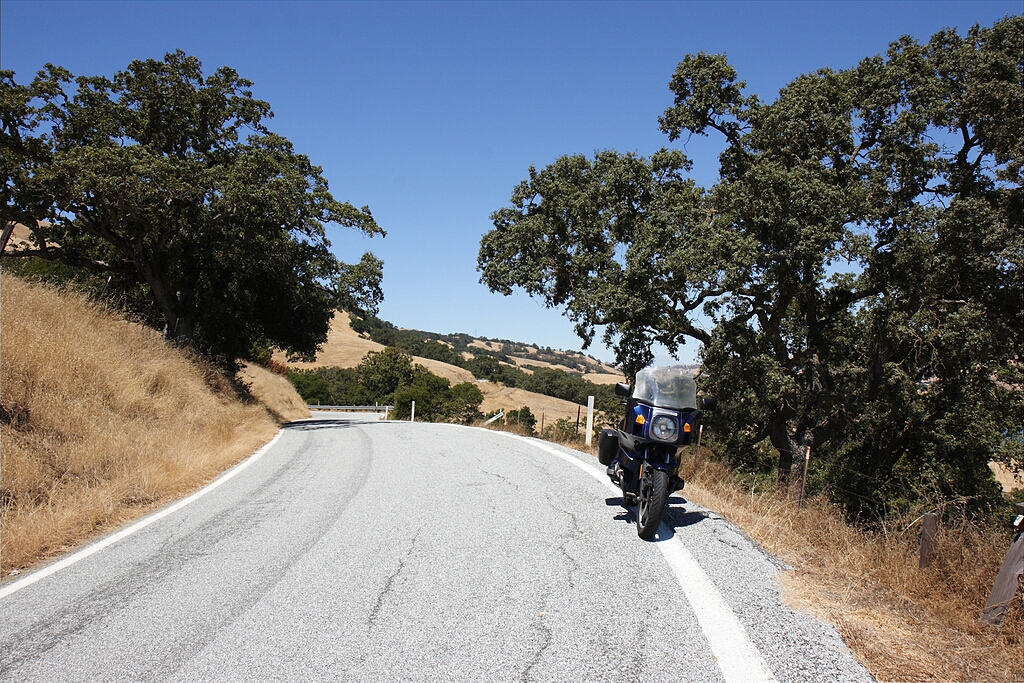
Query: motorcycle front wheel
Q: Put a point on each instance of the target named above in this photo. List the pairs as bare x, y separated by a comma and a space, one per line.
651, 501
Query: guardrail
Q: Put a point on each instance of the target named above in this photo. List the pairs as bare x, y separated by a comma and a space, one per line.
353, 409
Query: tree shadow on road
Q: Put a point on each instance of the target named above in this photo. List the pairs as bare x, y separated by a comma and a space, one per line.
315, 425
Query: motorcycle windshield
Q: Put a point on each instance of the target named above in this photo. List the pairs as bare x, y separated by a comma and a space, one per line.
666, 387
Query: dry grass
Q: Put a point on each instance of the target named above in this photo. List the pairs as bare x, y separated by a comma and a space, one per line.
344, 348
604, 377
102, 421
1006, 477
903, 623
574, 441
274, 391
500, 397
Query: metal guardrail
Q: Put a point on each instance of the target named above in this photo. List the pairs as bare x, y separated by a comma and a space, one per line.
353, 409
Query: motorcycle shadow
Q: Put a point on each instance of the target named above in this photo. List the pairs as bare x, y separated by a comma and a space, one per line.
676, 516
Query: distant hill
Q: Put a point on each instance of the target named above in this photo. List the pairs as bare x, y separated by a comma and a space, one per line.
456, 348
351, 338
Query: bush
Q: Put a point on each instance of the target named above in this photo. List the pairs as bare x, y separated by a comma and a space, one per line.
389, 377
330, 386
561, 431
522, 417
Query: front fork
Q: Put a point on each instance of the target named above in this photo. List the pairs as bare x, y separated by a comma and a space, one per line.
630, 481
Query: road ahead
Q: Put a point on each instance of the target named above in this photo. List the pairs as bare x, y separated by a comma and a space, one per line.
392, 551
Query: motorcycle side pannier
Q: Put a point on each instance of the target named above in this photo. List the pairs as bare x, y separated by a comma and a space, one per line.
607, 446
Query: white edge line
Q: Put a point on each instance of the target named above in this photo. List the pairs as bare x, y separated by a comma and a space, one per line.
48, 570
736, 655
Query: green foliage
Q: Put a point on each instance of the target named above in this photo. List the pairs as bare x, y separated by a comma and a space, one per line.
359, 285
463, 404
522, 417
561, 430
1006, 514
330, 387
488, 367
383, 372
856, 268
431, 345
389, 377
144, 186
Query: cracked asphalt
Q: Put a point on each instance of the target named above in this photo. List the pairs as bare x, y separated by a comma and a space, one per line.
403, 552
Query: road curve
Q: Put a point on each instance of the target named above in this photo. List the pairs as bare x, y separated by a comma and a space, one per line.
392, 551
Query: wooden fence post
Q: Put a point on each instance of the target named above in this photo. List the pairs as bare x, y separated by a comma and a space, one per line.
1005, 586
803, 479
929, 526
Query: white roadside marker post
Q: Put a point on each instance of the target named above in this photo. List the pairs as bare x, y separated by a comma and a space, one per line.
590, 419
412, 412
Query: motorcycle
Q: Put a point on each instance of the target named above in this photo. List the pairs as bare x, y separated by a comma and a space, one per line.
663, 416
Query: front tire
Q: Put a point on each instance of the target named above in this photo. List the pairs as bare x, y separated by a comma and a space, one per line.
651, 501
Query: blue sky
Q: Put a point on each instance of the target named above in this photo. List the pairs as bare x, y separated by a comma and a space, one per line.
430, 113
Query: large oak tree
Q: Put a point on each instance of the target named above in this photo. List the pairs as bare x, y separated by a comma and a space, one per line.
168, 186
854, 277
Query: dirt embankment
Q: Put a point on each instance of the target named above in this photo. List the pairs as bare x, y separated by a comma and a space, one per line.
101, 421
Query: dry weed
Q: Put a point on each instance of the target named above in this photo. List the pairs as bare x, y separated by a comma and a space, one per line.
271, 387
903, 623
101, 422
575, 441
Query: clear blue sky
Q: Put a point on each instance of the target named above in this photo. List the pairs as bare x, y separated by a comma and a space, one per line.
430, 113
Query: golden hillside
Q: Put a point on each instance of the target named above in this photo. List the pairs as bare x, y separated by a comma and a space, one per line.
101, 421
345, 348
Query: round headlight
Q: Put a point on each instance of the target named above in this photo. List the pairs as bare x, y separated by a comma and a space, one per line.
664, 428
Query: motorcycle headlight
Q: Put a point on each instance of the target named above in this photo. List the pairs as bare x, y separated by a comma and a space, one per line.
664, 428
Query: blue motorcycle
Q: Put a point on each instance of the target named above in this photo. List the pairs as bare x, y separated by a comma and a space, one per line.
663, 416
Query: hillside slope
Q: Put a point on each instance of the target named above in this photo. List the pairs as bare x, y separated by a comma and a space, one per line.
101, 421
345, 348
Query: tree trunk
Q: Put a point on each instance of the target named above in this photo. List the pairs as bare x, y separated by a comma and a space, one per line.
788, 449
177, 307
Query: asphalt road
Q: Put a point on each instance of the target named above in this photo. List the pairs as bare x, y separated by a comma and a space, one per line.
388, 551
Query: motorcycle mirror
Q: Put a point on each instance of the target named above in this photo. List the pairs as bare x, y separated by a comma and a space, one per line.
708, 404
623, 389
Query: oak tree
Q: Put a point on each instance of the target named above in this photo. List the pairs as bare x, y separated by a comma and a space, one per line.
169, 179
854, 276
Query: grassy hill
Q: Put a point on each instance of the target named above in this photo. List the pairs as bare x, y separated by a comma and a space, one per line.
101, 420
346, 347
456, 348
